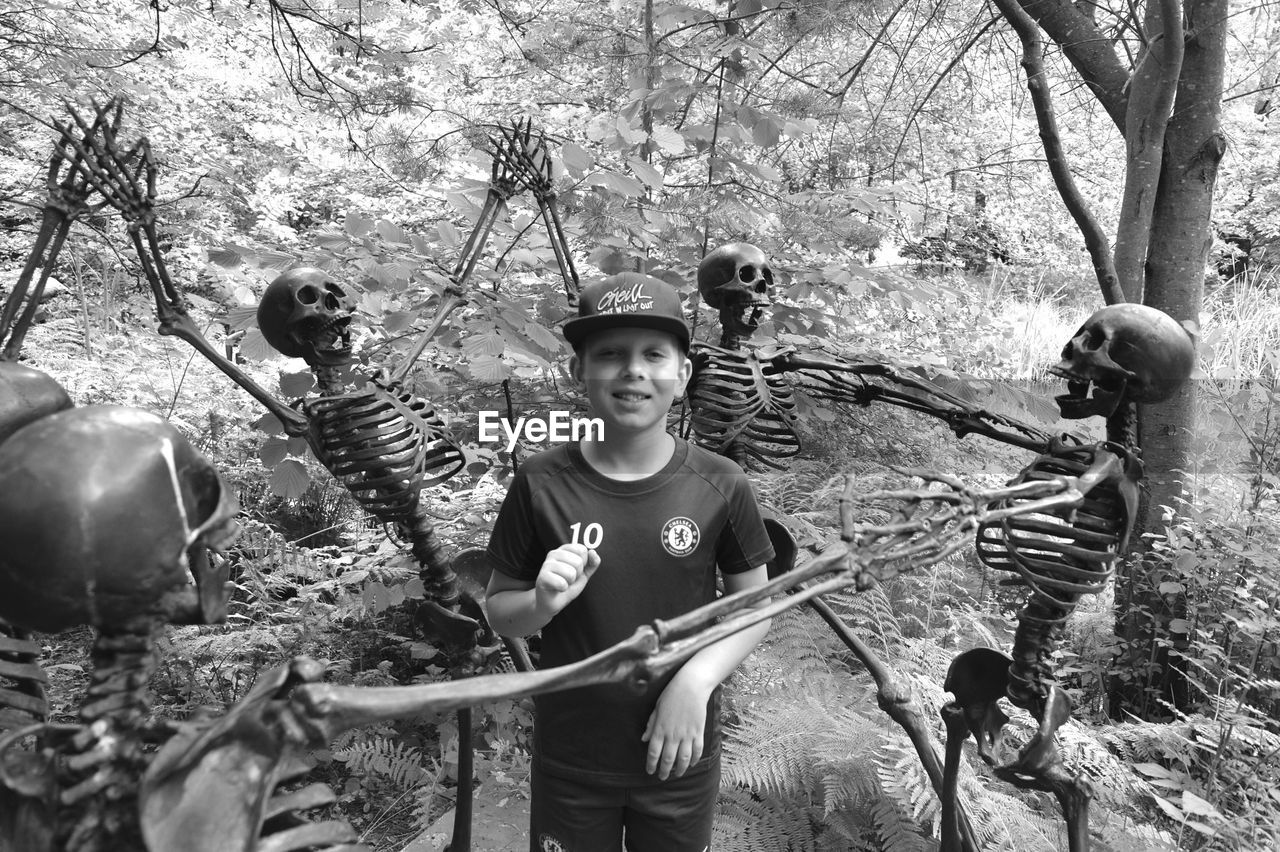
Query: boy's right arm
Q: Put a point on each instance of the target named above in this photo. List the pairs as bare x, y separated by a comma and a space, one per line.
518, 607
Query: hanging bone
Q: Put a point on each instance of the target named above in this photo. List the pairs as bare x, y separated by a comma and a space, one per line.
1123, 355
107, 517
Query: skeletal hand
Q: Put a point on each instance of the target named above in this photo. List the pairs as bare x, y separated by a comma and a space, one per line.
563, 576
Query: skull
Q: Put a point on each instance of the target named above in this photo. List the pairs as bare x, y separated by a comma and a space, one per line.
1123, 353
306, 314
735, 280
27, 395
105, 517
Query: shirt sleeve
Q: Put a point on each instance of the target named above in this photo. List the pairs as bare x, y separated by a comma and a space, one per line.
513, 546
744, 543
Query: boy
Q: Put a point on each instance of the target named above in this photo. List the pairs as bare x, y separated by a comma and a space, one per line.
597, 538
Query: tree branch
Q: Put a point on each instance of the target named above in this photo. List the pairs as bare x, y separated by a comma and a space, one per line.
1087, 49
1095, 239
1155, 83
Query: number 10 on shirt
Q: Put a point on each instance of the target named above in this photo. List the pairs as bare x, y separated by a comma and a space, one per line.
590, 537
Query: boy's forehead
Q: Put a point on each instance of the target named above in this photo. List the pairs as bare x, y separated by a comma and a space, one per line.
630, 336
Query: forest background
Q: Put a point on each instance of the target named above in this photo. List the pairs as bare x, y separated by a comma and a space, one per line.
886, 156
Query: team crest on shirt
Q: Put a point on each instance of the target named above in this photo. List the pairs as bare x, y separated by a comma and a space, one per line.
680, 536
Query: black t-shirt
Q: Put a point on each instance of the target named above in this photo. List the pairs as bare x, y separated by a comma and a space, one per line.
660, 540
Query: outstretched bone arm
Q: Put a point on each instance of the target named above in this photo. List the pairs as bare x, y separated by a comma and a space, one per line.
127, 180
919, 536
864, 382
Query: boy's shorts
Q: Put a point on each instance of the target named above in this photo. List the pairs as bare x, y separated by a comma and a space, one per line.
672, 816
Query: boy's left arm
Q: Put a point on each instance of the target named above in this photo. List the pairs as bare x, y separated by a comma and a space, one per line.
674, 732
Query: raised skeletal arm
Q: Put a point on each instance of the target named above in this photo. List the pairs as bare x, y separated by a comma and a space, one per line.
126, 179
68, 199
507, 177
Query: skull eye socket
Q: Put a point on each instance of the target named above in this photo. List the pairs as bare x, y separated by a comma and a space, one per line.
308, 295
1094, 337
746, 272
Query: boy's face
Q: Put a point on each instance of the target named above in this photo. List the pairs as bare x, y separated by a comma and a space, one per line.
631, 376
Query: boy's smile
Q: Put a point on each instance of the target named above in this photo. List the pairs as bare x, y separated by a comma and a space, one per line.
631, 376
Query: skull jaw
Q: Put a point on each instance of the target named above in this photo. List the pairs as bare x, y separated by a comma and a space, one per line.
742, 319
1085, 398
328, 346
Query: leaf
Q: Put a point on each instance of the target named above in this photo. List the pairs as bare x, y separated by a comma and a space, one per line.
356, 225
1193, 804
448, 234
478, 344
241, 317
391, 232
270, 424
575, 158
487, 369
668, 139
296, 384
278, 260
630, 135
766, 131
255, 347
542, 337
289, 479
394, 322
622, 184
1170, 809
1179, 625
376, 598
647, 173
1152, 770
273, 451
607, 260
228, 258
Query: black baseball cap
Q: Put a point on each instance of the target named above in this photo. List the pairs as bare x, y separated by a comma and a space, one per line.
628, 300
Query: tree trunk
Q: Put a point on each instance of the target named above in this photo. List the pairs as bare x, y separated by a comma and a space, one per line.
1179, 245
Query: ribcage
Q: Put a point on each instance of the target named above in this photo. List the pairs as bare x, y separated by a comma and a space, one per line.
738, 410
22, 693
384, 444
1059, 558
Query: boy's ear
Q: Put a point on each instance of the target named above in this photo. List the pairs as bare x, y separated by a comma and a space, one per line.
575, 367
682, 377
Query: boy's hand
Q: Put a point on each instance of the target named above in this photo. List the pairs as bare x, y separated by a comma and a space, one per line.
563, 575
675, 728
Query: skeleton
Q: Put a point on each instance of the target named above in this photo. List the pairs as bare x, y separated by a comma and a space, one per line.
108, 516
384, 443
742, 394
743, 406
1123, 355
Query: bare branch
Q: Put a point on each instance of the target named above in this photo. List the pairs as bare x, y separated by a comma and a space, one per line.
1033, 64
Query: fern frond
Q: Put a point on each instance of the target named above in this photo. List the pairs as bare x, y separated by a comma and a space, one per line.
751, 823
897, 832
403, 765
